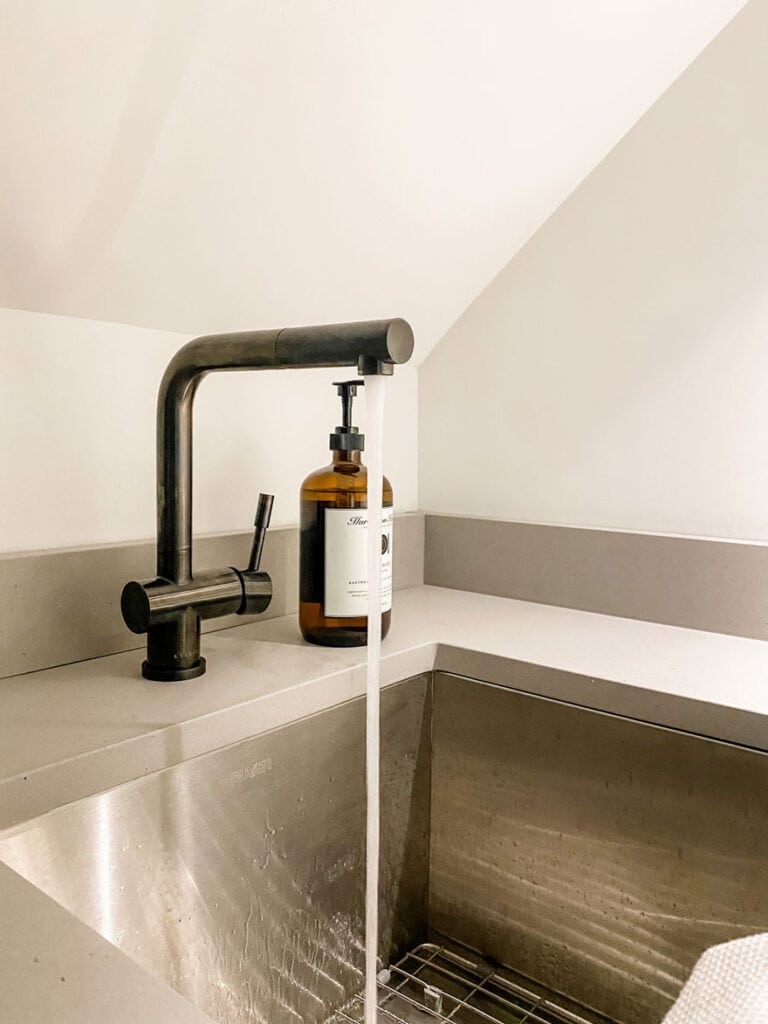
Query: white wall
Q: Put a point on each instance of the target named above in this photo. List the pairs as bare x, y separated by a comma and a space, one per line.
180, 170
615, 373
77, 423
198, 167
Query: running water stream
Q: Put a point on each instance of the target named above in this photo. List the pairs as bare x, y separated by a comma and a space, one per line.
375, 391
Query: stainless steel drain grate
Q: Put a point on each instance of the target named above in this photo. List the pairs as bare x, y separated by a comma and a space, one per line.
436, 984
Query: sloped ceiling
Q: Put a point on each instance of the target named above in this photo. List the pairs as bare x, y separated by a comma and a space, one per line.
199, 166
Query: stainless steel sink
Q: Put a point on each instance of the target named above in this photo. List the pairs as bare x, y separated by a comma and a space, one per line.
581, 858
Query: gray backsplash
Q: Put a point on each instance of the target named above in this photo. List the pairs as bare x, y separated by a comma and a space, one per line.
58, 607
715, 585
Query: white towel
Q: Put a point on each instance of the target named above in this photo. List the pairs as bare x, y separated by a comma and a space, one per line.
728, 984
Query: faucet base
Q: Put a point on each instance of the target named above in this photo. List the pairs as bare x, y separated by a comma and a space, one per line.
172, 675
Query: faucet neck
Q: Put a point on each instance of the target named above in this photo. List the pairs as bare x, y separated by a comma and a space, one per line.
251, 350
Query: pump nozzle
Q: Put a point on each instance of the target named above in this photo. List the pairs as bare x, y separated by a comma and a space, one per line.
346, 437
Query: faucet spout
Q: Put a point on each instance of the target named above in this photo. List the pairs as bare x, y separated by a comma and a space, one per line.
374, 346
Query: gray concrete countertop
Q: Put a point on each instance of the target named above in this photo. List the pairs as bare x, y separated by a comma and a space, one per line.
72, 731
69, 732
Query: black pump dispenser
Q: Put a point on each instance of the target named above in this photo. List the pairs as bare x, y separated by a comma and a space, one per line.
347, 438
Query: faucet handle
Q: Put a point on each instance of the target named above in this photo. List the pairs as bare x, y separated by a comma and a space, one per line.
256, 585
261, 524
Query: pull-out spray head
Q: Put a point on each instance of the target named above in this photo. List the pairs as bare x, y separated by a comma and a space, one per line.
347, 438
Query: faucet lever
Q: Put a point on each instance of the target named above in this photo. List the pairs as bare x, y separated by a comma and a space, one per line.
261, 524
257, 586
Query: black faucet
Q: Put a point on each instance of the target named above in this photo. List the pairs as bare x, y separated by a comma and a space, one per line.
170, 607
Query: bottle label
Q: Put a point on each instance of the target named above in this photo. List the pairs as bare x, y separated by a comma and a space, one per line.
346, 562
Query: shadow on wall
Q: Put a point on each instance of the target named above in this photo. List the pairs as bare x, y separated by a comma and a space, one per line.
617, 364
151, 87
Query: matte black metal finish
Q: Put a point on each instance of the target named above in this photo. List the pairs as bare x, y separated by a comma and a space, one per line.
173, 649
256, 590
212, 594
347, 437
379, 344
173, 604
261, 525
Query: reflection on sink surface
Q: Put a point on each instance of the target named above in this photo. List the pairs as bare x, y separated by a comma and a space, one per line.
596, 855
238, 876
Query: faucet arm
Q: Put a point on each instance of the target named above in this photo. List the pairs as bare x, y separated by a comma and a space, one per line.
373, 345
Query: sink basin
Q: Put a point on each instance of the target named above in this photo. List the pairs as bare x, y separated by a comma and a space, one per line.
579, 857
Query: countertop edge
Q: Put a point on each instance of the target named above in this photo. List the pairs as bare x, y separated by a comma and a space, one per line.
662, 675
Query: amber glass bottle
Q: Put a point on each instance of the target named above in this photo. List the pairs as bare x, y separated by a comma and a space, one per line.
333, 588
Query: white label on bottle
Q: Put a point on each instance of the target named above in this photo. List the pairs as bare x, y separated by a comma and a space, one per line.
346, 562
